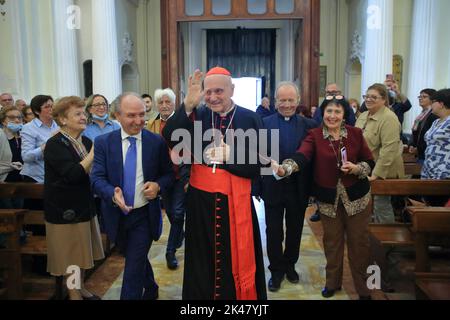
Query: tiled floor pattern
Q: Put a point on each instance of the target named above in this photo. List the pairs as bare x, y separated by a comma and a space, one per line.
311, 268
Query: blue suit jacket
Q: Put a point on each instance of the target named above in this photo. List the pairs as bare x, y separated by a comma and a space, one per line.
271, 193
107, 174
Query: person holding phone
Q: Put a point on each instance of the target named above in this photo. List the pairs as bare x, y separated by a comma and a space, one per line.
343, 162
397, 102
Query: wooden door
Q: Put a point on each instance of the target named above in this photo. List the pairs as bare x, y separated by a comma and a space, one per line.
307, 51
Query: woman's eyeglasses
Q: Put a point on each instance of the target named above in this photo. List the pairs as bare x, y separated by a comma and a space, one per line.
423, 97
334, 97
373, 98
98, 105
14, 118
47, 106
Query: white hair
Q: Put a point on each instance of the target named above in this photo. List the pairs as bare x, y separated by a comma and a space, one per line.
287, 84
160, 93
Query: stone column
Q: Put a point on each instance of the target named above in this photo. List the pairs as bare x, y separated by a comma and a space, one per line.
105, 60
422, 61
66, 54
378, 43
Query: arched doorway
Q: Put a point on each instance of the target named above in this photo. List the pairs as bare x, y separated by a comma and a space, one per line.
305, 40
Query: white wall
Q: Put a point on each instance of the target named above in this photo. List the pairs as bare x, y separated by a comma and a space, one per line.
357, 16
8, 72
126, 17
148, 45
339, 19
442, 46
126, 23
84, 35
84, 38
403, 10
27, 64
328, 38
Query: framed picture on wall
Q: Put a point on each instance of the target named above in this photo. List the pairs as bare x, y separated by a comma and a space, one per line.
398, 70
323, 80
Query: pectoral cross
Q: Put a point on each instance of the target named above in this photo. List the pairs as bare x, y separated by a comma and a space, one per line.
215, 163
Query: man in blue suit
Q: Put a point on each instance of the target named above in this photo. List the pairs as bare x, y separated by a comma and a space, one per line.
287, 198
131, 168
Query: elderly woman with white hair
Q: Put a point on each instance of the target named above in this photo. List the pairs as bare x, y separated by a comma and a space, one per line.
174, 198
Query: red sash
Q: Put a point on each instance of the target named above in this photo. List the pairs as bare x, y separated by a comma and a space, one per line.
238, 191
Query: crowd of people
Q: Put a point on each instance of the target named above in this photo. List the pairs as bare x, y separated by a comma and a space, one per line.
111, 167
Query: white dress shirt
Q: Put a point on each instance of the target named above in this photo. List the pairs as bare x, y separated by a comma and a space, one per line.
139, 198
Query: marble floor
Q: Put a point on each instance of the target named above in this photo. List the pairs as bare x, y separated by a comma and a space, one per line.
105, 281
311, 268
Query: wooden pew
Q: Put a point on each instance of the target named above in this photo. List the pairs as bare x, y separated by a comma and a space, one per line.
384, 238
408, 187
429, 221
11, 221
432, 286
412, 168
401, 234
35, 245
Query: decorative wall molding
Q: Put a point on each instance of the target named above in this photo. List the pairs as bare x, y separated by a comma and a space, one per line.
127, 47
3, 10
356, 48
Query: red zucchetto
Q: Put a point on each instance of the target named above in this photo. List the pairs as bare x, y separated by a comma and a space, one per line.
218, 70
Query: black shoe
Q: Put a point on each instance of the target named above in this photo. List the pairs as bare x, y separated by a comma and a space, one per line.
328, 293
292, 275
172, 262
315, 217
365, 298
275, 282
153, 295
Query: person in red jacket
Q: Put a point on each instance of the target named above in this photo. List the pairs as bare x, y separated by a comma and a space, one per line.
342, 164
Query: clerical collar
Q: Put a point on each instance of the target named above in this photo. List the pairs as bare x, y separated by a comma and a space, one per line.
228, 112
287, 119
